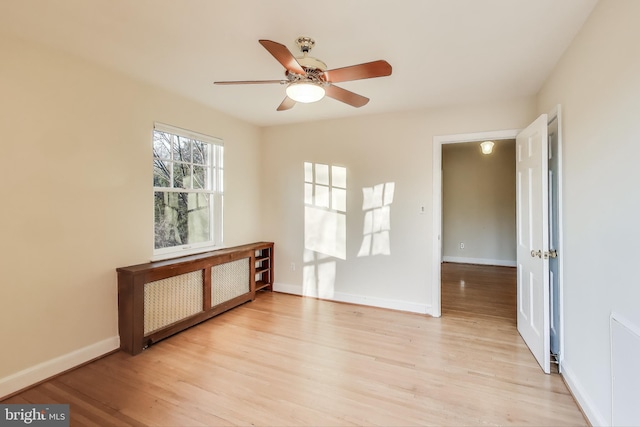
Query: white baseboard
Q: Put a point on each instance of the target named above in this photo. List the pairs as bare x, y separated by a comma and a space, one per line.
481, 261
357, 299
586, 404
50, 368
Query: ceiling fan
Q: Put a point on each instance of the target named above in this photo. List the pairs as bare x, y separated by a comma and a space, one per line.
308, 79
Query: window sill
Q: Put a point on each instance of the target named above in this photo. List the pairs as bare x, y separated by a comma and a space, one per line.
185, 252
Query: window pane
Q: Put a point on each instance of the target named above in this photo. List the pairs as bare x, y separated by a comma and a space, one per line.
181, 218
162, 145
200, 177
182, 150
181, 175
201, 152
198, 217
161, 173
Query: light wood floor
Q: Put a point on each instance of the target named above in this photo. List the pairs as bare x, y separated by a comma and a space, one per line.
284, 360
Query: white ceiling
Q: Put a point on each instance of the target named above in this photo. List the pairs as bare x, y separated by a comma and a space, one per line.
443, 52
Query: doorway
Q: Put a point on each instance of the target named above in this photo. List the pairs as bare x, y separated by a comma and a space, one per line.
438, 142
479, 230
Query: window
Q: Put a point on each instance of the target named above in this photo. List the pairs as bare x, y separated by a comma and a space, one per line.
188, 190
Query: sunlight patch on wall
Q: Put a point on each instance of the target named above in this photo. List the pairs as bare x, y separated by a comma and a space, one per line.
376, 204
319, 275
325, 197
324, 232
325, 227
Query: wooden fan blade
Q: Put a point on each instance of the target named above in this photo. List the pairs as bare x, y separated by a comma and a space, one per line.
251, 82
283, 56
345, 96
357, 72
286, 104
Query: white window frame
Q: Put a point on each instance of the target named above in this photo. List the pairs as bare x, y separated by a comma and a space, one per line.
216, 163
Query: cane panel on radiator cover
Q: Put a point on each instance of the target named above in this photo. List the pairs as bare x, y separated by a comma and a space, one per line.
168, 300
230, 280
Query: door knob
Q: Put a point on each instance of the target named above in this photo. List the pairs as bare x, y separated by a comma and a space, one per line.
553, 253
536, 254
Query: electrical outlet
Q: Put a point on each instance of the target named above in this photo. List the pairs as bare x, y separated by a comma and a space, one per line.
461, 245
293, 266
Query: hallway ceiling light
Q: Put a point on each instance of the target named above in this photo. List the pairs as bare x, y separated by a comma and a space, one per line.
487, 147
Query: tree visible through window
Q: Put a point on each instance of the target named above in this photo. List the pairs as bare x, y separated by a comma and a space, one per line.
188, 189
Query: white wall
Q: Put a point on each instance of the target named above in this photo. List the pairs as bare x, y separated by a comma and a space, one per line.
389, 148
479, 203
76, 200
598, 84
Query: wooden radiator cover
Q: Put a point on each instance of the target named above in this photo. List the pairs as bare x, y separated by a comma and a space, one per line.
159, 299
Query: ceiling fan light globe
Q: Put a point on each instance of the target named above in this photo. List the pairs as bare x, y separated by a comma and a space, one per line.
305, 92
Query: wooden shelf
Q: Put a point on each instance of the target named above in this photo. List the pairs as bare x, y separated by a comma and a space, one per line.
264, 268
261, 285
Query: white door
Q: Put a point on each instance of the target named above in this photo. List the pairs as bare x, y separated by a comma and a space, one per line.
533, 239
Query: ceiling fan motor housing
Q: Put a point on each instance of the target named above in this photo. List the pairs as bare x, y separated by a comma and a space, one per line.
309, 62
